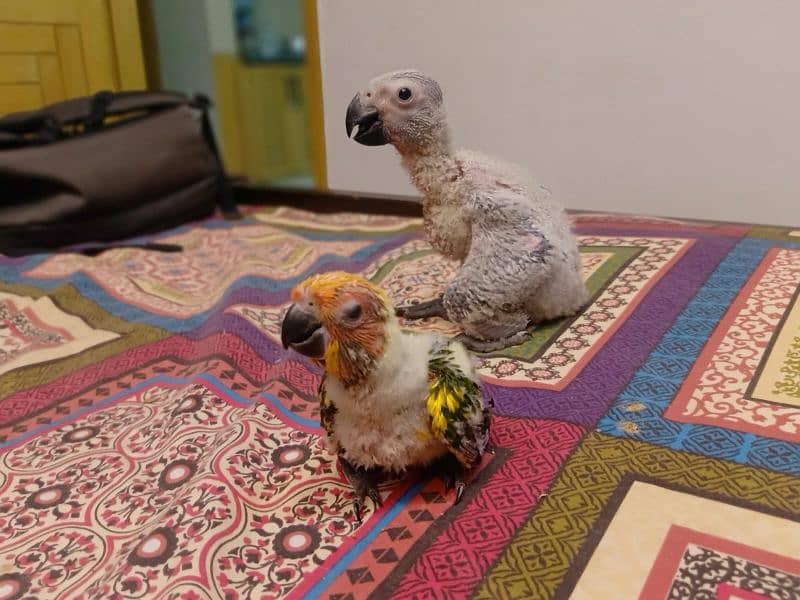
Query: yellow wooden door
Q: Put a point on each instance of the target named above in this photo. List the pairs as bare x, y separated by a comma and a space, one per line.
271, 109
270, 115
51, 50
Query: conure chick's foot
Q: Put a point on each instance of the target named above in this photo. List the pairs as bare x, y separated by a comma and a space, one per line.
453, 474
365, 483
423, 310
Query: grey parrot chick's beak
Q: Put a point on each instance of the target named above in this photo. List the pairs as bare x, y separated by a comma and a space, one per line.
302, 331
370, 128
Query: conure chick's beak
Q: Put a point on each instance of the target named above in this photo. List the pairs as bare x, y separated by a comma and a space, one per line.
303, 332
370, 128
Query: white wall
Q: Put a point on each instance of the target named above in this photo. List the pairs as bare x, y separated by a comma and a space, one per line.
221, 29
676, 108
188, 33
183, 48
283, 17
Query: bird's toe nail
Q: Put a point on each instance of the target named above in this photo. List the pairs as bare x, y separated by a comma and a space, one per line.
459, 491
376, 498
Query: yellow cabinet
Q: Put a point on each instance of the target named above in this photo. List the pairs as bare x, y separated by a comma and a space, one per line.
264, 118
51, 50
273, 112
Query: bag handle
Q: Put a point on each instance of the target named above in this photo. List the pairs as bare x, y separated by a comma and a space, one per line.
98, 111
79, 110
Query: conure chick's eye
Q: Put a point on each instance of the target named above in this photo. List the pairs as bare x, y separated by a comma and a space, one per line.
404, 93
353, 312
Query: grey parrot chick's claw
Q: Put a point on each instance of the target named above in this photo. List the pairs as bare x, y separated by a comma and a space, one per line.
520, 262
423, 310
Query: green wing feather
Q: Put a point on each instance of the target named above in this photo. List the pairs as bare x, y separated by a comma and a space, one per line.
454, 401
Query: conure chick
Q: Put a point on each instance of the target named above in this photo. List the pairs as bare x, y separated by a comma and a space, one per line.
520, 263
390, 399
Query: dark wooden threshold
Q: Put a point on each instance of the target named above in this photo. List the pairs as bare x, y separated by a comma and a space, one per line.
325, 201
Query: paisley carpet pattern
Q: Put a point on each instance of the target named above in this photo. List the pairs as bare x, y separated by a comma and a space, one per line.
157, 442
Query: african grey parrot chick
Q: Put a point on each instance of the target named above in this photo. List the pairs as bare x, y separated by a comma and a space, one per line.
520, 263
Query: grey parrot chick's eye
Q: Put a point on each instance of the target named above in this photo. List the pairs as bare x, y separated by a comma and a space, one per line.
404, 94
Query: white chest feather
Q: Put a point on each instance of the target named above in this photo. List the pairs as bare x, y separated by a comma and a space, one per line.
388, 424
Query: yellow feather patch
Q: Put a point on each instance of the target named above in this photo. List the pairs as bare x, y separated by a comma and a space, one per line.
439, 424
332, 358
454, 398
326, 287
434, 400
437, 399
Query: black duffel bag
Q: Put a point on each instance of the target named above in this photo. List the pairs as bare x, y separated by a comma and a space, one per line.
107, 167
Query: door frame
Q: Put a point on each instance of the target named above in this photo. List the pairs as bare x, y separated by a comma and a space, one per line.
315, 101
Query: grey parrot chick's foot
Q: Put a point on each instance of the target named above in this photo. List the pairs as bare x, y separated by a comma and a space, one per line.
483, 346
423, 310
365, 484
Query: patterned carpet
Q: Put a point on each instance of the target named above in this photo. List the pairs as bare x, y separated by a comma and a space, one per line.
157, 442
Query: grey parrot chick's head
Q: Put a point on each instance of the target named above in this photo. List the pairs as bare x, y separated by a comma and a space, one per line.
402, 108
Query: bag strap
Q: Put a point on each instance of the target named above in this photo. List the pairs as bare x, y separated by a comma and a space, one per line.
79, 110
90, 250
227, 201
98, 111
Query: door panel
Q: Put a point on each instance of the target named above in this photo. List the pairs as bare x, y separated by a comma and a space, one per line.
51, 50
18, 68
19, 38
271, 110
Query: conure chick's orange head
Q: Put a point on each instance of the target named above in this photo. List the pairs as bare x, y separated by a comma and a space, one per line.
338, 319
